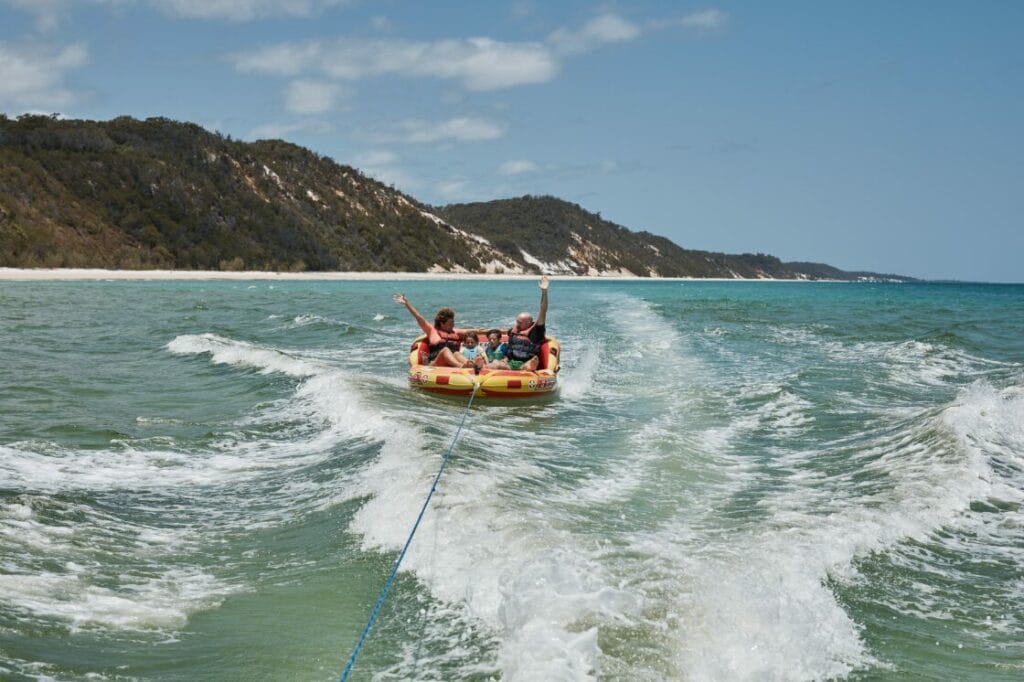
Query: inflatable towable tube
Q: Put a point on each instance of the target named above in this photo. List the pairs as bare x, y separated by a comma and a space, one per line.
494, 383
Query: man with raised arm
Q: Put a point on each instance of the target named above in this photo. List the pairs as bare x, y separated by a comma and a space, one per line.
526, 335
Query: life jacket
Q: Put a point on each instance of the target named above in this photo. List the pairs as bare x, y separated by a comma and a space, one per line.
495, 353
449, 339
520, 347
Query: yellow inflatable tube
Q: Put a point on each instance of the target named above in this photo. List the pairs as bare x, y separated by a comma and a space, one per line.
494, 383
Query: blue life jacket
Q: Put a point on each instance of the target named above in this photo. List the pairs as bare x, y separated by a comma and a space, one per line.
496, 353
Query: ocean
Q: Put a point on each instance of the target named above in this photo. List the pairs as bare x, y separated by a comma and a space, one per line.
737, 481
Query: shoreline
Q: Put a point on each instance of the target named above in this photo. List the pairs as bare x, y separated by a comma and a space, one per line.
97, 274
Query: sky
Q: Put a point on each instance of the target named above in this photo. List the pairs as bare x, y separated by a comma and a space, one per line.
870, 135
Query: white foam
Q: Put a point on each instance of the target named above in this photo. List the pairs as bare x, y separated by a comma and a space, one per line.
787, 415
577, 383
314, 320
505, 554
489, 551
756, 603
86, 544
990, 421
139, 469
324, 410
163, 602
652, 353
753, 605
908, 363
239, 353
765, 614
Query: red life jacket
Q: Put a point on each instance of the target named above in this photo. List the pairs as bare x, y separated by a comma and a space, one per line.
449, 339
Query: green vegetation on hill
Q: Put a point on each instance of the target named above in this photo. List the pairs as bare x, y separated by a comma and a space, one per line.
162, 194
567, 236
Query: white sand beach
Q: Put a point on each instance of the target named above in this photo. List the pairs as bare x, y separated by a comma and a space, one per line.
88, 274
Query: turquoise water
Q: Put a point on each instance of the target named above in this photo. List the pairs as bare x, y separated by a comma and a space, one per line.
765, 481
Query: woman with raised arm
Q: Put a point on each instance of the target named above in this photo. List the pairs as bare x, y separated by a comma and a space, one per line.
443, 340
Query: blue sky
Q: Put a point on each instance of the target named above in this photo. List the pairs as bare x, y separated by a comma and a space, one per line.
884, 136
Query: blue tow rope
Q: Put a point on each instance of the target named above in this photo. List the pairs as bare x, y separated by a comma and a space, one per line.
398, 562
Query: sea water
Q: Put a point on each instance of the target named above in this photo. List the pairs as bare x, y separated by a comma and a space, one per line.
737, 481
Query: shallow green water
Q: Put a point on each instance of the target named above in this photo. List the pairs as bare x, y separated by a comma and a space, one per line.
211, 480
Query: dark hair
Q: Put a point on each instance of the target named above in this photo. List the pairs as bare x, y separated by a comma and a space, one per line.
443, 315
494, 331
469, 335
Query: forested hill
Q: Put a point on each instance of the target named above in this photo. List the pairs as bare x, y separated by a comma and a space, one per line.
161, 194
566, 238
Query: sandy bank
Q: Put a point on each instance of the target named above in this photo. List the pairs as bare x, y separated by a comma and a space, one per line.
81, 274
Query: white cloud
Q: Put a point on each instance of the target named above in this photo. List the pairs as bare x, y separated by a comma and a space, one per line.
380, 23
478, 63
286, 59
392, 175
707, 20
461, 129
275, 131
453, 190
311, 97
376, 157
382, 165
239, 10
32, 78
49, 12
517, 167
522, 10
607, 28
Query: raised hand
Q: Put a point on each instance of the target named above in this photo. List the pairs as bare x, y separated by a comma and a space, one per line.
400, 299
544, 283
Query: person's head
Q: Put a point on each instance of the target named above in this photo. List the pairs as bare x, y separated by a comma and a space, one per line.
523, 321
445, 319
494, 337
469, 339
